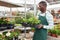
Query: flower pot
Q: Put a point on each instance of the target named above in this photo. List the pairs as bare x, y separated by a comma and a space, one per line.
10, 26
16, 38
3, 25
28, 25
33, 30
24, 24
54, 35
10, 38
49, 33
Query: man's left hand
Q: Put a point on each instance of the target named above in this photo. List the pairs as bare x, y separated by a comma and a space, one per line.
40, 26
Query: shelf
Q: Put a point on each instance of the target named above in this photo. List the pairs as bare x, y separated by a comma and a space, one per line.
23, 28
6, 30
10, 16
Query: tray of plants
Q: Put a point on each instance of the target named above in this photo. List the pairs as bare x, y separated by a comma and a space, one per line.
30, 22
10, 35
4, 24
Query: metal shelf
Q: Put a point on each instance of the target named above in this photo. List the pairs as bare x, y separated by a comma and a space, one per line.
10, 16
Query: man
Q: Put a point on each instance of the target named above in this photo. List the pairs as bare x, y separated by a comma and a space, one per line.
46, 22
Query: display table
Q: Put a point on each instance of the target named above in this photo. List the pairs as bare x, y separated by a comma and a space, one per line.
52, 38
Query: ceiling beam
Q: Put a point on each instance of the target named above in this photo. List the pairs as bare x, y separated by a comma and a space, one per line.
2, 3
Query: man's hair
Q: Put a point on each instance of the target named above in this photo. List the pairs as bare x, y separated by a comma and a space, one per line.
44, 3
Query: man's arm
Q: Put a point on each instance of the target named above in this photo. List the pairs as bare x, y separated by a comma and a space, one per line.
50, 21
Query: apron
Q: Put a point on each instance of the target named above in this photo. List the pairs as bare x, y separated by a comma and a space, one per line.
41, 34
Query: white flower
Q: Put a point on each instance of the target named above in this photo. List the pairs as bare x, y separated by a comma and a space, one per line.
8, 34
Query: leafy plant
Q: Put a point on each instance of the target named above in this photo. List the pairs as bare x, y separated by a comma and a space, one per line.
18, 25
28, 21
12, 22
33, 28
19, 20
49, 30
58, 31
9, 34
24, 20
29, 15
33, 21
57, 26
53, 32
14, 33
2, 37
4, 33
3, 21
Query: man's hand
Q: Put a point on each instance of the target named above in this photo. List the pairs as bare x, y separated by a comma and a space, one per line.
39, 26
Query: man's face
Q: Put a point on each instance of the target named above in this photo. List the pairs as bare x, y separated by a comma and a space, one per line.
42, 7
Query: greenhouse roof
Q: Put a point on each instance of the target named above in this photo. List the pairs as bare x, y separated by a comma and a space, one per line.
22, 1
30, 3
6, 4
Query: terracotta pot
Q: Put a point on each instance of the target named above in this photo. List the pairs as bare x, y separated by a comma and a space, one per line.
49, 33
54, 35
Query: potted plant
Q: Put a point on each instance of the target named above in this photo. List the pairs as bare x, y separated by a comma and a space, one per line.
3, 22
4, 33
22, 21
14, 34
57, 26
58, 33
33, 21
18, 24
29, 15
2, 37
49, 32
32, 29
54, 33
7, 35
18, 20
10, 24
10, 35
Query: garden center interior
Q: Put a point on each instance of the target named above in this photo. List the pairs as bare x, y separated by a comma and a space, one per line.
18, 16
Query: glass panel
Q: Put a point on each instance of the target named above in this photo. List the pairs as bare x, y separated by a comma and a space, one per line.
53, 1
